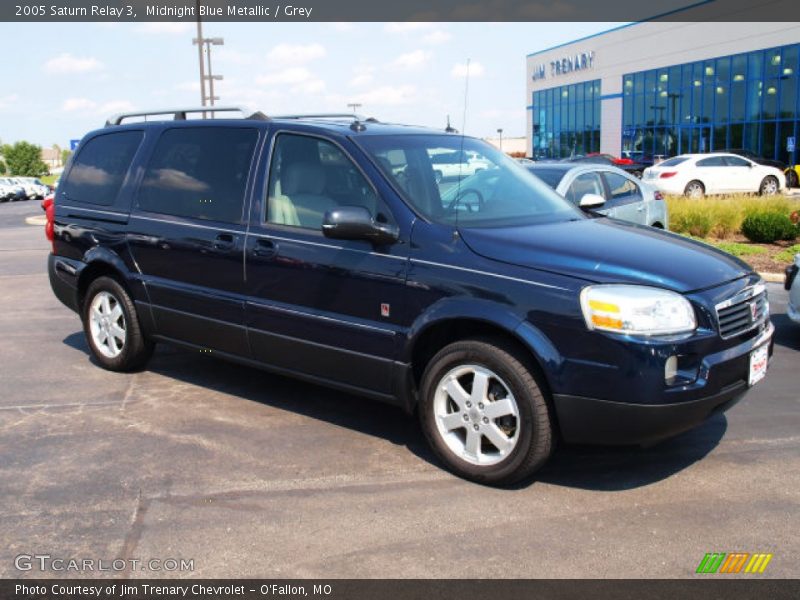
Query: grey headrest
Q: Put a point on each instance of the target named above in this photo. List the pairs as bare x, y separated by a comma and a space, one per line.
303, 178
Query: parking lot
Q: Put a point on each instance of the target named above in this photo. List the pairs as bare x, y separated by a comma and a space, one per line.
251, 474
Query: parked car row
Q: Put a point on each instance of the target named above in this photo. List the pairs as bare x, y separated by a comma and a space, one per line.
22, 188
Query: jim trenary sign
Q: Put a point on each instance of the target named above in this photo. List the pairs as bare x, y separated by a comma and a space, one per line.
568, 64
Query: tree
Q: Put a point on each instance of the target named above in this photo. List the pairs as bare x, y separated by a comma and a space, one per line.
24, 159
65, 154
2, 167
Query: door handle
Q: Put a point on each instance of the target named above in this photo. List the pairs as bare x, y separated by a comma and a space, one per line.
224, 241
265, 248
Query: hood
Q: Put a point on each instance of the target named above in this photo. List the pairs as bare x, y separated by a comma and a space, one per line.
607, 251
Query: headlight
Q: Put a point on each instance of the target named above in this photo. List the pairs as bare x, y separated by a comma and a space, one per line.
636, 309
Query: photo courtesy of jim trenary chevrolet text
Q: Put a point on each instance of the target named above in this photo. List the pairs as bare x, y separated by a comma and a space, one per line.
453, 299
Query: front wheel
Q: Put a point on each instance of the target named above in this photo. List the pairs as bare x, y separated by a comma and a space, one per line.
484, 414
791, 178
112, 327
769, 186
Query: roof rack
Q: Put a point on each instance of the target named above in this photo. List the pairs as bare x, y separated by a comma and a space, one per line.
179, 114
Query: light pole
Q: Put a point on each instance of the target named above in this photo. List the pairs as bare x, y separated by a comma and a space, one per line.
198, 42
500, 132
354, 106
212, 78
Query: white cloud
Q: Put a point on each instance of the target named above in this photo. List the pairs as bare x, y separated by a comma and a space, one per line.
342, 27
77, 104
167, 27
187, 86
229, 55
292, 75
437, 37
115, 106
296, 53
407, 27
6, 101
412, 60
475, 70
66, 63
387, 95
363, 75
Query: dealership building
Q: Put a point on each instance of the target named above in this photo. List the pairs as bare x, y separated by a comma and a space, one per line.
657, 88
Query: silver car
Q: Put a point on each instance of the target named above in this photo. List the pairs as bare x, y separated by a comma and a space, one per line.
793, 285
607, 190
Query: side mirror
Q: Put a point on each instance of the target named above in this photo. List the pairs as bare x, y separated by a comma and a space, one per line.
591, 201
356, 223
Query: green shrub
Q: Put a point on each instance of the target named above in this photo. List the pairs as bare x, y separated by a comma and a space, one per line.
787, 255
768, 227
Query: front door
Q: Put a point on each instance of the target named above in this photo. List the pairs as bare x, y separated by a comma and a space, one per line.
328, 309
625, 198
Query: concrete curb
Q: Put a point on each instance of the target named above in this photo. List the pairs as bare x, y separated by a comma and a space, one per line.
772, 277
36, 220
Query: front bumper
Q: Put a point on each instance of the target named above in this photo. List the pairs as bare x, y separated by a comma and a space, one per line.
588, 420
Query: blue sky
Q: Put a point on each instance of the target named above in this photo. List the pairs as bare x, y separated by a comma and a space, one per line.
62, 80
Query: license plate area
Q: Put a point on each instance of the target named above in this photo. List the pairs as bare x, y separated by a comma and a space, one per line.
758, 364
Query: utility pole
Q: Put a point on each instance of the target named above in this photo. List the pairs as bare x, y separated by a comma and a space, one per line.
500, 131
211, 77
354, 106
199, 42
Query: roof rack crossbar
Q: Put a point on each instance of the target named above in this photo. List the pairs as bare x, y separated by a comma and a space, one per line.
321, 116
179, 114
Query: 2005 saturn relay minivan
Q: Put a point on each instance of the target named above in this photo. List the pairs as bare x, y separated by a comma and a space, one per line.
324, 248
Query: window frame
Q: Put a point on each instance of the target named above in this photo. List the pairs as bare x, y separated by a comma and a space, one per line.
263, 217
599, 180
621, 199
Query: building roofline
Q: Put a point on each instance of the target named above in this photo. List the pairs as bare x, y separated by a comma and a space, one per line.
617, 28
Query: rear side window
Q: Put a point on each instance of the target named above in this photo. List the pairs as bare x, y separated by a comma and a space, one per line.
620, 187
199, 173
551, 177
100, 167
672, 162
712, 161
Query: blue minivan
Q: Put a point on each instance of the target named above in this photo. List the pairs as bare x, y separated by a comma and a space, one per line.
326, 248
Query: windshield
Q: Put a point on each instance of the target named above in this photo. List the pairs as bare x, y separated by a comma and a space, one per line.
464, 181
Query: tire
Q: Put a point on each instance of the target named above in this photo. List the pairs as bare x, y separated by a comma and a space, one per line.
694, 189
112, 327
437, 175
460, 425
769, 186
791, 178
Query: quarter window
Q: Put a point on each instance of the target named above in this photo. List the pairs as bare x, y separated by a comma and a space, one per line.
200, 173
310, 176
100, 167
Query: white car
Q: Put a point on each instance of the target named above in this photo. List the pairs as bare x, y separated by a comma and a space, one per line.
17, 191
447, 165
696, 175
793, 285
33, 187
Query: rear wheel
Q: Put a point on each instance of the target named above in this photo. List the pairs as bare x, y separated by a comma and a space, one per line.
112, 327
769, 186
484, 413
694, 189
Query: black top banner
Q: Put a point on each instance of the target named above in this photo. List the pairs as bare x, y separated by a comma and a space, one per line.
713, 588
407, 10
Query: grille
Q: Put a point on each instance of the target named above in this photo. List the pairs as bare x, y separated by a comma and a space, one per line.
742, 313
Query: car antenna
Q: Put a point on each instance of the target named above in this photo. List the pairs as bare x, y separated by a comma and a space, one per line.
461, 149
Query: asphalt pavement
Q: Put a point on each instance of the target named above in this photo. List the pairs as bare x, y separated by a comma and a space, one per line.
250, 474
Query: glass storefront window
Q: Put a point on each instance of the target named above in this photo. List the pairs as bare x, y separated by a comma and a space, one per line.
569, 123
749, 100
